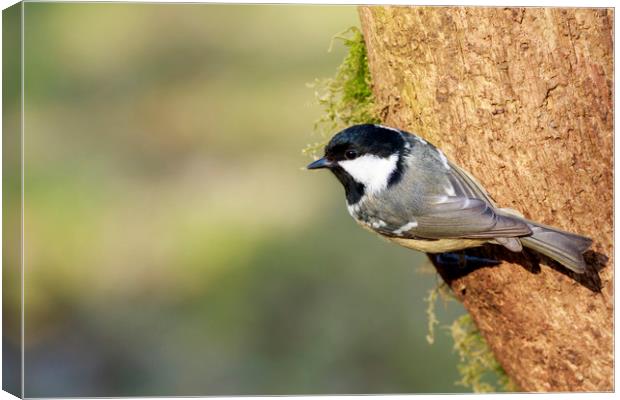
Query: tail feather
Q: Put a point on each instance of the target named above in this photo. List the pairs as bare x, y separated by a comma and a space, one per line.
564, 247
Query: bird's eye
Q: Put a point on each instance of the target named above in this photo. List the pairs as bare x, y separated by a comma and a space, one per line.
350, 154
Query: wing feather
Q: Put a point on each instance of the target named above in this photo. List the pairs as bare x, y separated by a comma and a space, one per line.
459, 217
464, 210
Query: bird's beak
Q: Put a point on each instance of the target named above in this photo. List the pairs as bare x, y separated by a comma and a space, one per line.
320, 163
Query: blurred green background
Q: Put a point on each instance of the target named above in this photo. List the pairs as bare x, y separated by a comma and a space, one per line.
174, 243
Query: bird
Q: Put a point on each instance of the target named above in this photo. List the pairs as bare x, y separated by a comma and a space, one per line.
405, 189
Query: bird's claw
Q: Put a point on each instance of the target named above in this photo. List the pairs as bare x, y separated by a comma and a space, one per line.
462, 260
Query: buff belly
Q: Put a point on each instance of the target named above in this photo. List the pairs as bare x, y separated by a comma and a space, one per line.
429, 246
437, 246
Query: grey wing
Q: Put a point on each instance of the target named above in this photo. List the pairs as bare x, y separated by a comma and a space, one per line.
468, 213
460, 217
465, 211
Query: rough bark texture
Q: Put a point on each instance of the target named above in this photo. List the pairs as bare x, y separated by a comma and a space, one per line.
521, 98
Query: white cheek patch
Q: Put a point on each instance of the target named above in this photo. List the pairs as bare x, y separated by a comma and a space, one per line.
371, 171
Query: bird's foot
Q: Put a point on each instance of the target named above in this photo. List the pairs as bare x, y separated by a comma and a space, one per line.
462, 260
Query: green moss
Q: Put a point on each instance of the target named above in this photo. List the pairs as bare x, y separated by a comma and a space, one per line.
441, 290
477, 366
346, 98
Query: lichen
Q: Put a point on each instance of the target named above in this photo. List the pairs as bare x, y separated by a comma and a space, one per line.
347, 97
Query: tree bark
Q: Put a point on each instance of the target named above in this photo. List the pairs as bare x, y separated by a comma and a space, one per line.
522, 99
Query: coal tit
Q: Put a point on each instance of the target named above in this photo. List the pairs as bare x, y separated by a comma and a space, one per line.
405, 189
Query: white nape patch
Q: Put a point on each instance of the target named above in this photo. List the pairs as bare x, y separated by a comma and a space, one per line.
403, 135
371, 171
387, 127
408, 159
405, 228
444, 159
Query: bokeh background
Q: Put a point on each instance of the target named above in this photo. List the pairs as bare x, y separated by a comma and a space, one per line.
174, 243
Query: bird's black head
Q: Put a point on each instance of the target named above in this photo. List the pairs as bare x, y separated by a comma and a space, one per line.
364, 158
359, 140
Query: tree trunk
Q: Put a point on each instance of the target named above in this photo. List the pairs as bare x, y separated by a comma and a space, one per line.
522, 99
